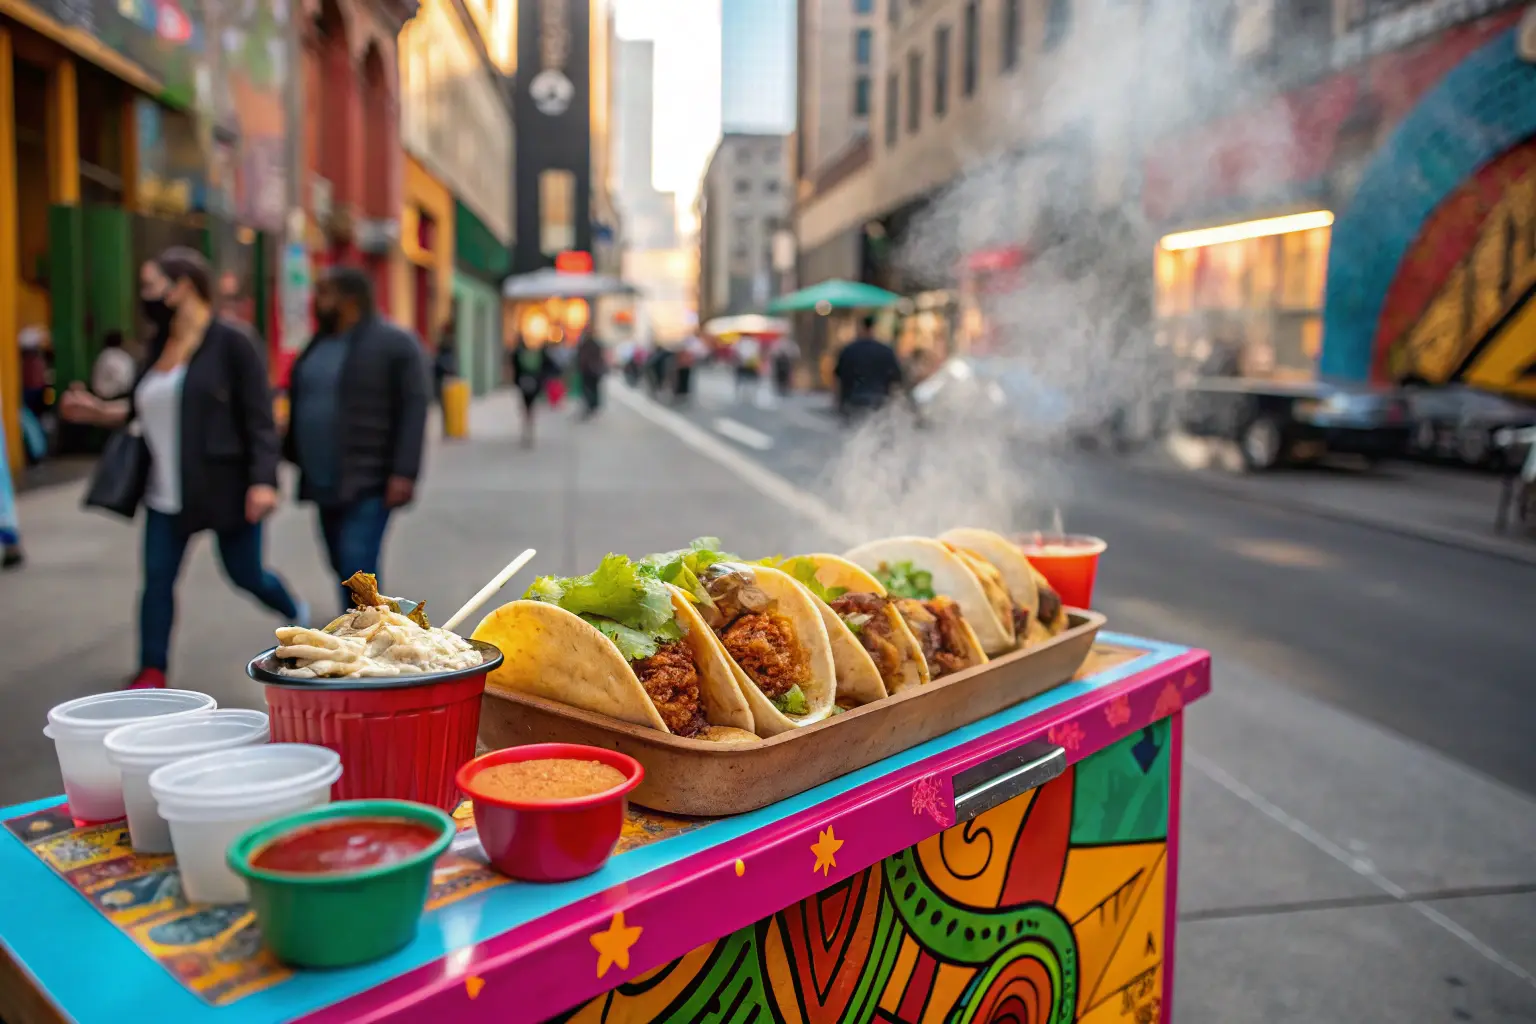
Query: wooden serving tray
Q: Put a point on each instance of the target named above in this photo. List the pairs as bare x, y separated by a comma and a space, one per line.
685, 776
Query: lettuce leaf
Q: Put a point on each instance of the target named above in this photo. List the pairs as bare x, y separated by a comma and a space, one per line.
804, 571
905, 580
632, 608
683, 567
792, 702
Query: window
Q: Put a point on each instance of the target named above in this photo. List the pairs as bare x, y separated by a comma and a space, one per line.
914, 91
940, 70
863, 6
773, 154
771, 187
971, 61
1058, 22
861, 98
743, 155
1013, 36
892, 106
743, 186
863, 46
557, 211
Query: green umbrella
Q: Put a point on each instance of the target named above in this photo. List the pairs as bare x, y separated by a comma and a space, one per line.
836, 294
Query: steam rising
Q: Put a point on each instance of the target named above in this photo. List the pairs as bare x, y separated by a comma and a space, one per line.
1070, 344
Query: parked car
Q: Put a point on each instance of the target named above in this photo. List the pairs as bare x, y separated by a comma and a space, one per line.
1459, 424
1273, 422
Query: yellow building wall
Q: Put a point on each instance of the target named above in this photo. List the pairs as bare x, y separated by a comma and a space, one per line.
423, 192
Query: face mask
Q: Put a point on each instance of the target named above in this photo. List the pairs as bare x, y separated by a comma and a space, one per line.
157, 312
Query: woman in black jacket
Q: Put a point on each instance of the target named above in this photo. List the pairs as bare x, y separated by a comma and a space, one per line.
204, 408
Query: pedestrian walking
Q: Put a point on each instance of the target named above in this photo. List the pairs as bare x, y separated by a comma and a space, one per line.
357, 421
785, 355
445, 364
33, 342
748, 366
532, 370
11, 555
204, 408
867, 372
114, 371
591, 364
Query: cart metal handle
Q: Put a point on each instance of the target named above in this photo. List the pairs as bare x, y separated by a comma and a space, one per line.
1006, 776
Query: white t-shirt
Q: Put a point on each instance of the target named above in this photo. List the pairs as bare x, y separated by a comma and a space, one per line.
157, 405
112, 375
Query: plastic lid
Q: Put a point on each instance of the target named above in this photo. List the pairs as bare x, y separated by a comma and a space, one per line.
245, 775
100, 713
159, 741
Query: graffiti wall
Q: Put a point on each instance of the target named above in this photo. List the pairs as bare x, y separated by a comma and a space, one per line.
1047, 909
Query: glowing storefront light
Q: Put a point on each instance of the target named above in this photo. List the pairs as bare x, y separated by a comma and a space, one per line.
1203, 237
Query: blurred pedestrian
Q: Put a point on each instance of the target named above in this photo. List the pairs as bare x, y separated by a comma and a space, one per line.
659, 370
204, 408
867, 372
33, 342
559, 359
785, 355
532, 370
114, 371
749, 356
591, 364
357, 421
11, 555
445, 365
690, 357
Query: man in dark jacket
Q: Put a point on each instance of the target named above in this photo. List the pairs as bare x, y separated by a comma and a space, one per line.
867, 372
358, 400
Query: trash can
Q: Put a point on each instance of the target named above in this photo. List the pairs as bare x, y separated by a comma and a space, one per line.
456, 408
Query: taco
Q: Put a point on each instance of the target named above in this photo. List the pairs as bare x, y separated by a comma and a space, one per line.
874, 652
769, 627
1038, 611
622, 643
922, 568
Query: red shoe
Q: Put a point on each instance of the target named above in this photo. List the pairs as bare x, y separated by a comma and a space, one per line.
148, 679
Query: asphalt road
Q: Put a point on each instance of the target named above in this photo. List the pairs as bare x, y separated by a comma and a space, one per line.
1433, 642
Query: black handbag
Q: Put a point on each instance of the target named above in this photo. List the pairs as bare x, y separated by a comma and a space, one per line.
121, 475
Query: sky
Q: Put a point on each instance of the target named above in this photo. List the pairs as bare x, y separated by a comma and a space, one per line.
758, 61
687, 113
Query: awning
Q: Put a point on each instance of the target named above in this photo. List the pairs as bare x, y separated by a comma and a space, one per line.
834, 294
553, 284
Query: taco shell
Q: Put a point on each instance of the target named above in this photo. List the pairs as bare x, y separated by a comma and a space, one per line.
554, 654
854, 680
980, 603
795, 604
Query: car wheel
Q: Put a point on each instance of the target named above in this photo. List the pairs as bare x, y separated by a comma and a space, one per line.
1472, 445
1261, 444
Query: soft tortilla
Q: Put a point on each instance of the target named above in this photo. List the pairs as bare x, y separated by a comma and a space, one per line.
796, 605
551, 653
951, 577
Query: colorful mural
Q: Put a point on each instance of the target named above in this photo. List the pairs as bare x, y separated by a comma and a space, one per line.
1481, 111
1047, 909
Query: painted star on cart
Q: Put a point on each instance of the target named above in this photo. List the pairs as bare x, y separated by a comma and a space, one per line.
825, 848
613, 945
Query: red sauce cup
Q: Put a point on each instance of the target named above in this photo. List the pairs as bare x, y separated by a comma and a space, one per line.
550, 840
1068, 563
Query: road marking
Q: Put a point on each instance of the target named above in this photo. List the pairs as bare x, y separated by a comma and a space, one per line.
1356, 863
764, 481
740, 432
1282, 553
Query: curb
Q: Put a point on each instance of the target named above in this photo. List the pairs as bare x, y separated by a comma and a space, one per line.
1494, 547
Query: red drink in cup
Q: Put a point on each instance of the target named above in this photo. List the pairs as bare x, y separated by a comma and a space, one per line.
1068, 562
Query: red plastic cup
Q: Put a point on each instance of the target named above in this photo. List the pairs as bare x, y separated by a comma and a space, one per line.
1068, 563
550, 840
399, 737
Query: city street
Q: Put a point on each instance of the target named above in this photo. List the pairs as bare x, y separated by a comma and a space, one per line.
1360, 807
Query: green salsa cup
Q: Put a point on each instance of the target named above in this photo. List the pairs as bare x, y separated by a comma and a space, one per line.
343, 918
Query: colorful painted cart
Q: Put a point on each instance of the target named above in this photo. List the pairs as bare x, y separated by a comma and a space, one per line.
1022, 868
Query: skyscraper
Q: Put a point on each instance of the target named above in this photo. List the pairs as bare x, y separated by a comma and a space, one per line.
649, 216
757, 66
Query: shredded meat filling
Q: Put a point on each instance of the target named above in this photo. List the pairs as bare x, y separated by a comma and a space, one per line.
937, 626
764, 646
672, 680
874, 630
1020, 622
1050, 605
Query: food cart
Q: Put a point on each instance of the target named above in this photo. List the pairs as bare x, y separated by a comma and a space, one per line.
1022, 867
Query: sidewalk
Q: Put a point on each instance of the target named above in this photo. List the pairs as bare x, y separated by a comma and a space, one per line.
1331, 871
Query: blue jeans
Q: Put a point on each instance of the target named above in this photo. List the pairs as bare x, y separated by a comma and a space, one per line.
165, 546
354, 538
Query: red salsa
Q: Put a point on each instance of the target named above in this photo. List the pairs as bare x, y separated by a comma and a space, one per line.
345, 845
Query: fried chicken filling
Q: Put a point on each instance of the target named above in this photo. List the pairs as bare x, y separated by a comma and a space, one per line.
672, 680
868, 616
939, 631
763, 644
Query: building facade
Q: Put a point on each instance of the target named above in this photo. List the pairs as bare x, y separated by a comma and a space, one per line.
649, 216
836, 86
745, 202
456, 217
